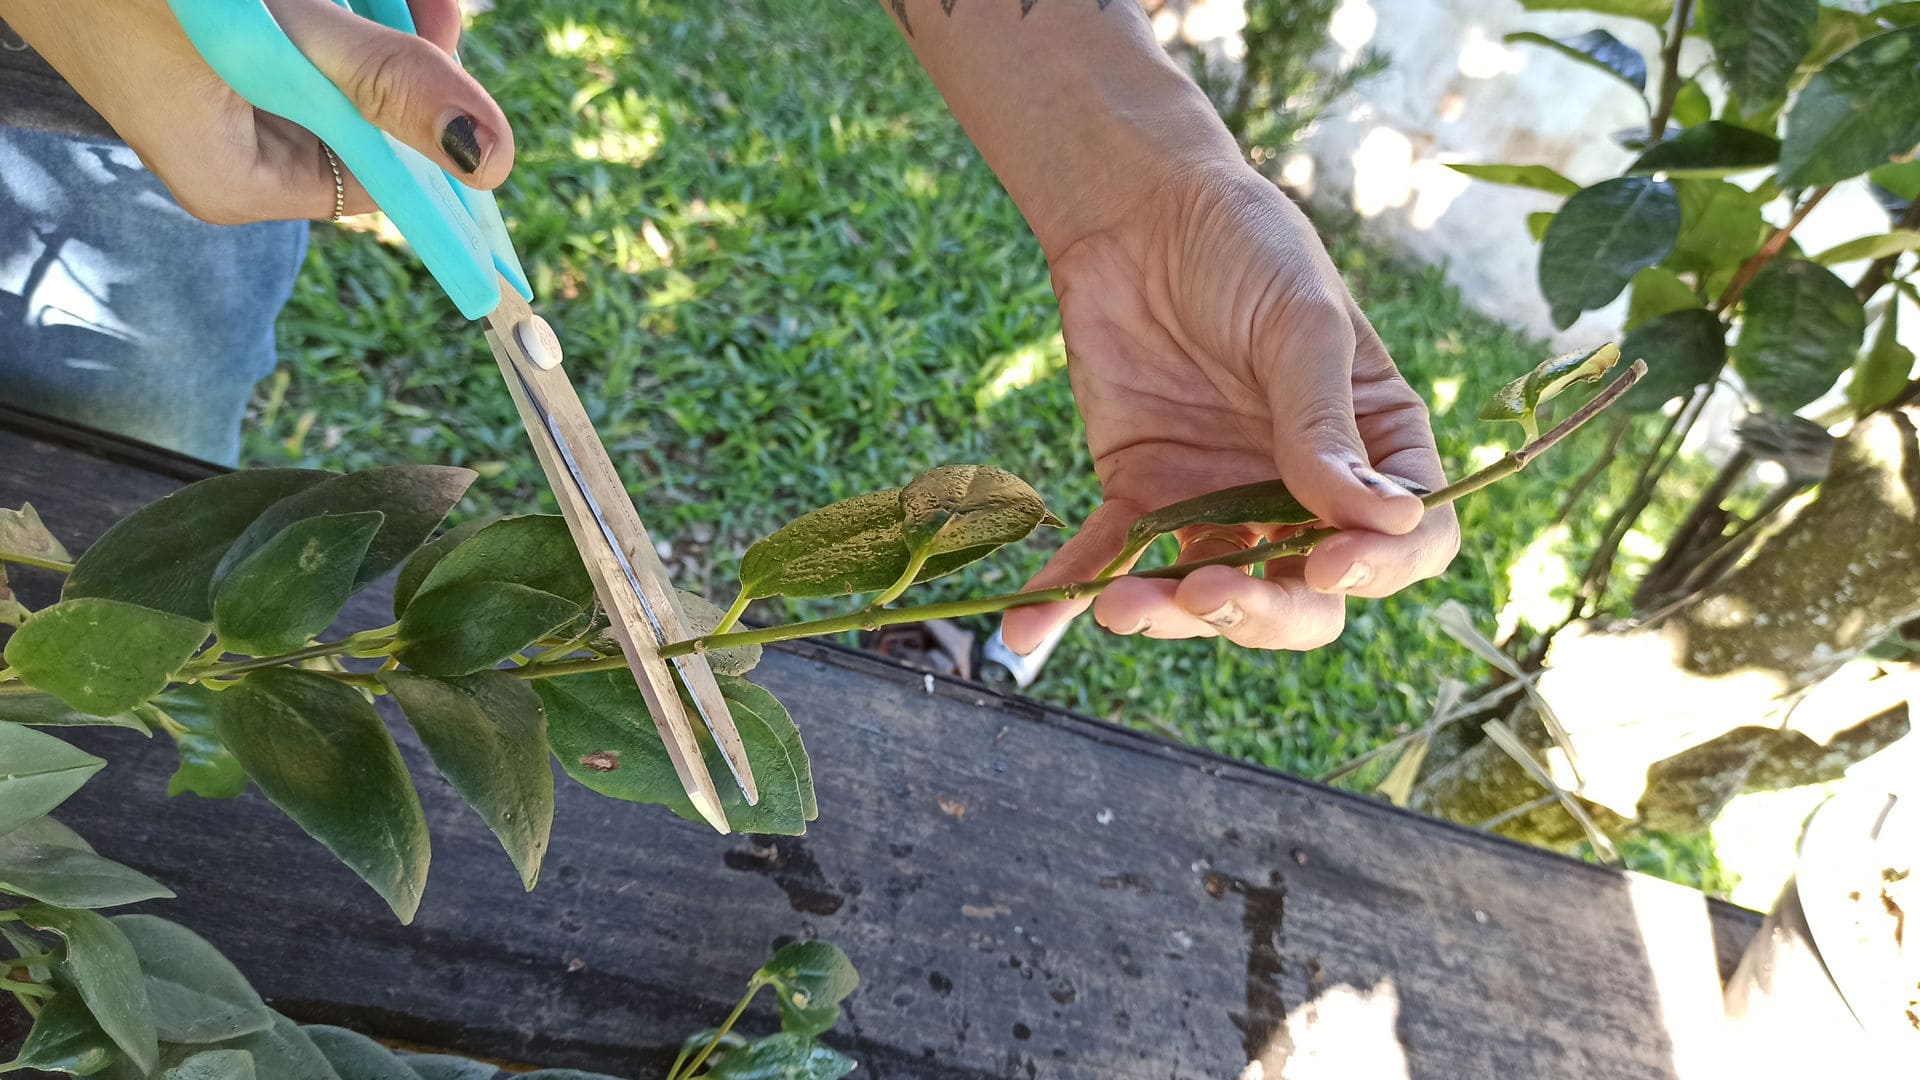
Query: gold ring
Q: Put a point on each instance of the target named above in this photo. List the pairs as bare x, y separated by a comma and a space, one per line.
339, 182
1215, 532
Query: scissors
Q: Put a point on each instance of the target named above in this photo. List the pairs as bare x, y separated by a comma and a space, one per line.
458, 233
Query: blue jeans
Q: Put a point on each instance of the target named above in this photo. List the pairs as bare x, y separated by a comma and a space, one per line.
119, 310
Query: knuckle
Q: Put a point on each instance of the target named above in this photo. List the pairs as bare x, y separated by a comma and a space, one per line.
381, 81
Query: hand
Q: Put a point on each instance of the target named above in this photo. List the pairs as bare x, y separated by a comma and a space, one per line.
1211, 343
226, 162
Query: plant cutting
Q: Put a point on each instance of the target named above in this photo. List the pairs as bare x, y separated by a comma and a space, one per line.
202, 615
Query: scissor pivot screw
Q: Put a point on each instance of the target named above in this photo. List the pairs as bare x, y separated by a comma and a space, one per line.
538, 341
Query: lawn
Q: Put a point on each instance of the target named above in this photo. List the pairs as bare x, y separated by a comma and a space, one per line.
785, 277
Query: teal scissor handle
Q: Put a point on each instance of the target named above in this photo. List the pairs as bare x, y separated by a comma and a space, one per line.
454, 229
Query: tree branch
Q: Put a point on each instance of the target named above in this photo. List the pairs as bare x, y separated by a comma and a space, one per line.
1669, 73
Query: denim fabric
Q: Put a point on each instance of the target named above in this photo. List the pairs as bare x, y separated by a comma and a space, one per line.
120, 311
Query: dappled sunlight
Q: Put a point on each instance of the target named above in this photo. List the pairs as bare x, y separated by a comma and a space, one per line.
1444, 392
1019, 369
1539, 581
626, 129
591, 42
1676, 943
1484, 57
1382, 172
1352, 27
1346, 1033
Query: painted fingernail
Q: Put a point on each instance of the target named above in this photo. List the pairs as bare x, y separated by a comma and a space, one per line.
1376, 482
461, 141
1225, 617
1357, 575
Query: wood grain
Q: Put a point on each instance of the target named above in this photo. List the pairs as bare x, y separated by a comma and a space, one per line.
1027, 893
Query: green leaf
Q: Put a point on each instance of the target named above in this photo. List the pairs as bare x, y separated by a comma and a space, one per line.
604, 738
487, 734
1535, 177
961, 507
1882, 372
65, 875
536, 551
746, 697
810, 979
1870, 247
356, 1057
215, 1065
37, 773
1856, 113
1713, 149
162, 556
103, 656
1657, 12
1537, 223
22, 535
414, 499
783, 1057
1264, 502
197, 995
1691, 105
1595, 48
45, 710
1758, 44
702, 617
422, 562
206, 768
471, 626
1801, 330
567, 1074
449, 1067
1603, 236
1520, 400
1720, 225
1657, 291
853, 546
319, 751
101, 965
294, 585
66, 1038
1902, 179
1683, 349
280, 1052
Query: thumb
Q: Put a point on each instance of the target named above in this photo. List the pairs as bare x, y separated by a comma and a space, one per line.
1084, 556
407, 86
1317, 445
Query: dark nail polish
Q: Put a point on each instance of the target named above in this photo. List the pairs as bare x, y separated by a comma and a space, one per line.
461, 142
1383, 486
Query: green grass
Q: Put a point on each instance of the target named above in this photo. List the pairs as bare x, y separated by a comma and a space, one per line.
849, 298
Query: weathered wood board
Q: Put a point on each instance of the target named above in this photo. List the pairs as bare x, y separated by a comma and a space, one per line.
1027, 892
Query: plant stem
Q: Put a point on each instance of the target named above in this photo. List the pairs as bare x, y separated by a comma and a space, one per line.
357, 644
753, 987
31, 989
737, 609
1669, 73
55, 565
1758, 261
873, 619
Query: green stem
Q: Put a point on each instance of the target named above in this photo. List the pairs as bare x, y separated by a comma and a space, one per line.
365, 643
915, 562
31, 989
56, 565
872, 619
734, 612
753, 987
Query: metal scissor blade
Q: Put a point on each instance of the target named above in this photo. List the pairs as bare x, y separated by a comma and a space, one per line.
627, 573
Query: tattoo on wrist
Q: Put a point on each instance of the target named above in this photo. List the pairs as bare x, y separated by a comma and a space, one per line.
946, 8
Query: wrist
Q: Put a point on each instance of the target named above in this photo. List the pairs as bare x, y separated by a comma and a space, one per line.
1137, 140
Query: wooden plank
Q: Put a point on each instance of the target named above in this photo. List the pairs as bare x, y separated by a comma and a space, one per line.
1027, 892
